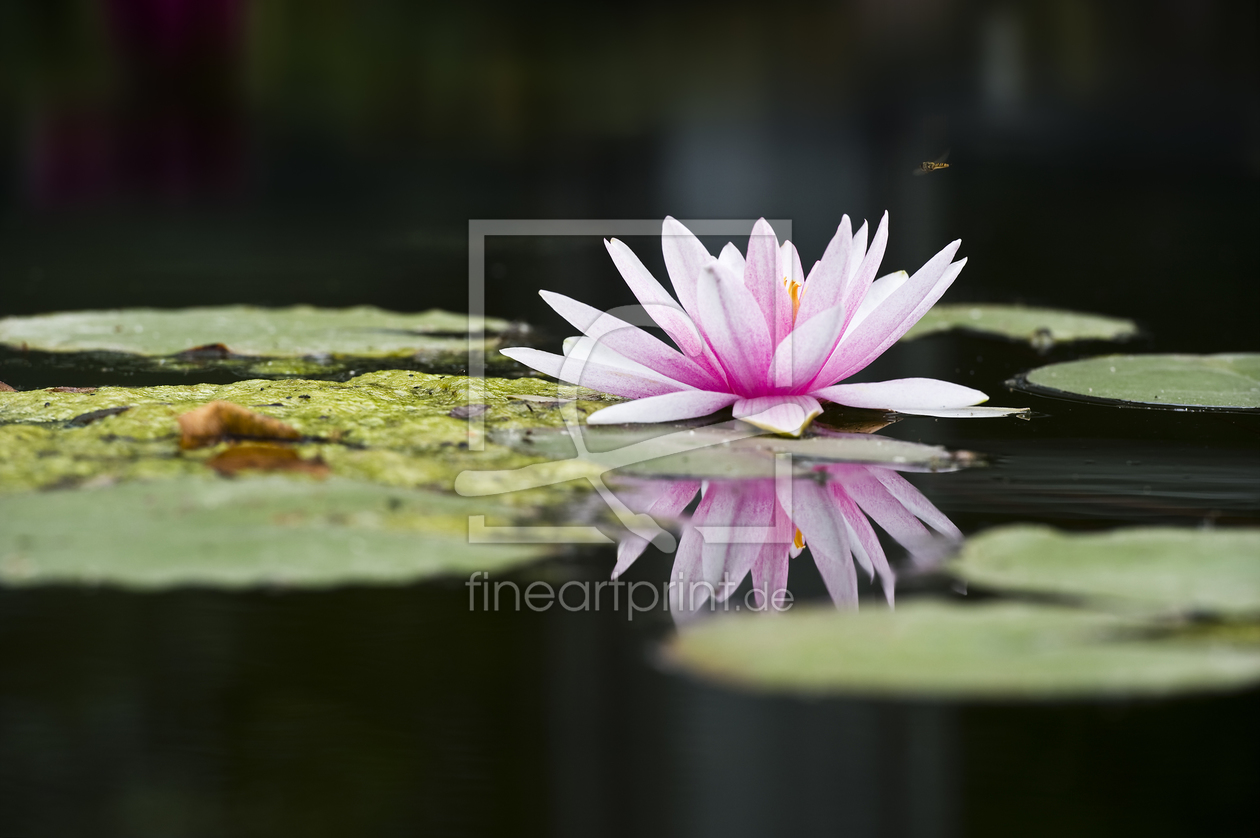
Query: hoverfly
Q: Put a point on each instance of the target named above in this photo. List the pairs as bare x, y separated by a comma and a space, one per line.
938, 163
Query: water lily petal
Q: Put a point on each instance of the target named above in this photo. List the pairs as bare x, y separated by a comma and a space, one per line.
660, 306
879, 291
859, 285
877, 502
630, 341
687, 591
799, 357
619, 382
761, 273
769, 577
911, 498
791, 275
825, 533
733, 325
732, 258
667, 407
894, 317
902, 393
672, 499
789, 415
864, 541
825, 285
685, 257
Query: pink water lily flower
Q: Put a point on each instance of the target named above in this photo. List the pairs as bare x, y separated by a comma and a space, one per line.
755, 332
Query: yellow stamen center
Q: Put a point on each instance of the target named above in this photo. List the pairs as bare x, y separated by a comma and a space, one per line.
798, 541
794, 289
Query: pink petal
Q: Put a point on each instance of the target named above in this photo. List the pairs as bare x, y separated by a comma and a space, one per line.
669, 504
864, 541
784, 313
686, 572
860, 284
788, 415
907, 393
660, 306
728, 557
892, 319
629, 341
825, 285
828, 541
761, 274
801, 355
769, 577
669, 407
912, 499
877, 502
619, 382
685, 257
732, 259
879, 291
734, 327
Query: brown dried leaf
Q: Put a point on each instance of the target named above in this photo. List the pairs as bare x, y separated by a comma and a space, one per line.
205, 352
218, 420
5, 388
240, 458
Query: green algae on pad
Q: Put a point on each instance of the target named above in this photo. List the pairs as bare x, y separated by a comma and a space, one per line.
1164, 569
996, 651
270, 342
1041, 327
391, 427
1163, 381
244, 532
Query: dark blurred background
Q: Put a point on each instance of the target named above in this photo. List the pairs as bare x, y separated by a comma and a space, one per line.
1105, 156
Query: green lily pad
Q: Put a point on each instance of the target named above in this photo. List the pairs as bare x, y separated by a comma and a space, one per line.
261, 342
938, 650
1040, 327
1161, 568
244, 532
730, 450
1163, 381
393, 427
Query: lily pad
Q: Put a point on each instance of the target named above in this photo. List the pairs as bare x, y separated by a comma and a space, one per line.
1040, 327
1161, 568
729, 450
393, 427
1162, 381
260, 342
938, 650
244, 532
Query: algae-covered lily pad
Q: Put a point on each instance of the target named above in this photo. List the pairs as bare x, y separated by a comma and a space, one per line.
729, 450
984, 651
243, 532
392, 427
1162, 568
1040, 327
1163, 381
262, 342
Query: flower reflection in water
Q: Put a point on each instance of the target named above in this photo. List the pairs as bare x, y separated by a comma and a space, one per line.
757, 526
